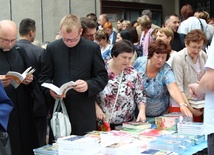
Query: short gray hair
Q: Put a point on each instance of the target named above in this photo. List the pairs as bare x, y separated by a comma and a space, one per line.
147, 12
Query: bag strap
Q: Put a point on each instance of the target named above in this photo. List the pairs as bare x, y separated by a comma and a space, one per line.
60, 103
121, 77
202, 28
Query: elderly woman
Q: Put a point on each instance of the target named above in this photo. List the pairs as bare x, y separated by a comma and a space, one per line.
124, 90
146, 38
158, 80
188, 65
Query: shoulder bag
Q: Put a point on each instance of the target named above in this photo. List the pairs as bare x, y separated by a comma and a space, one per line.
60, 123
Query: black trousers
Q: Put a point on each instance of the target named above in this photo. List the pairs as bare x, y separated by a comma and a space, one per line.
210, 144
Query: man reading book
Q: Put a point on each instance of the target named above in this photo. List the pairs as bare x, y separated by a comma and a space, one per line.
12, 58
73, 58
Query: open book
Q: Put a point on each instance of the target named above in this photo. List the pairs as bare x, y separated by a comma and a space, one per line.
62, 90
18, 78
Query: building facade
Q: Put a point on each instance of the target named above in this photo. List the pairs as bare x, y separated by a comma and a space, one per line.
48, 13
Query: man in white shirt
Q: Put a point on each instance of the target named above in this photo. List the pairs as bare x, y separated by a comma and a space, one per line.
206, 86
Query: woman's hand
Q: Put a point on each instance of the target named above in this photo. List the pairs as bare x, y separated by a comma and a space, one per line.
186, 111
141, 115
99, 113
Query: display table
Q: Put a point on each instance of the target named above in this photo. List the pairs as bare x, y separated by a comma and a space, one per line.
195, 148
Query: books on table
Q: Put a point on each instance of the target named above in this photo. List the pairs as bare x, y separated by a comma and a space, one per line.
60, 90
77, 145
198, 104
157, 152
46, 150
136, 125
191, 128
18, 77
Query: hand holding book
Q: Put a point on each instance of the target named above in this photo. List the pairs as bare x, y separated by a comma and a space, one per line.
60, 90
18, 78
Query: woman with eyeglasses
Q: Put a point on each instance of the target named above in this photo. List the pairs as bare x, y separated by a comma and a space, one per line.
124, 92
158, 80
188, 66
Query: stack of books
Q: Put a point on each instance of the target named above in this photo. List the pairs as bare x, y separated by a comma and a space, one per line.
169, 145
77, 145
136, 125
198, 104
46, 150
190, 128
114, 136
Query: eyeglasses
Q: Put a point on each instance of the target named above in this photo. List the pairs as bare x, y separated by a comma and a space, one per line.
195, 47
72, 40
7, 41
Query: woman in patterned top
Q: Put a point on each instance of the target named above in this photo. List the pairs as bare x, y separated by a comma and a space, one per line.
130, 91
158, 80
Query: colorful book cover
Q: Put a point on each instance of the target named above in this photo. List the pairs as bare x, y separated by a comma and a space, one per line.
166, 122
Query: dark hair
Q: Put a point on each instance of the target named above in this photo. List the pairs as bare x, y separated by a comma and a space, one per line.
168, 16
133, 33
187, 11
87, 23
27, 25
195, 36
122, 46
125, 35
92, 16
121, 20
159, 47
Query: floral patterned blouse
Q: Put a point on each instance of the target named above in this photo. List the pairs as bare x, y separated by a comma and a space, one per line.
129, 96
157, 95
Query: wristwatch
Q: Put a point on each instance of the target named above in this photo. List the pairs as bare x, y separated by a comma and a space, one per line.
184, 104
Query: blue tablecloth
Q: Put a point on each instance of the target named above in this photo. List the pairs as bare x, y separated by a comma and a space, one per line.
195, 148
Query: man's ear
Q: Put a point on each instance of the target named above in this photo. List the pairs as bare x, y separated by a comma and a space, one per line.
30, 33
81, 31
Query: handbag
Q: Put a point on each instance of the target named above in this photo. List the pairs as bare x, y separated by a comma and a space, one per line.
60, 123
5, 148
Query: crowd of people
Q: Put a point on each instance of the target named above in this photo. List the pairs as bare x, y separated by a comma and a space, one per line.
135, 71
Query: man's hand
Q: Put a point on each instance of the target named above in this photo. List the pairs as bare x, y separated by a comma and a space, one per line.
81, 86
5, 80
193, 91
28, 79
55, 96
